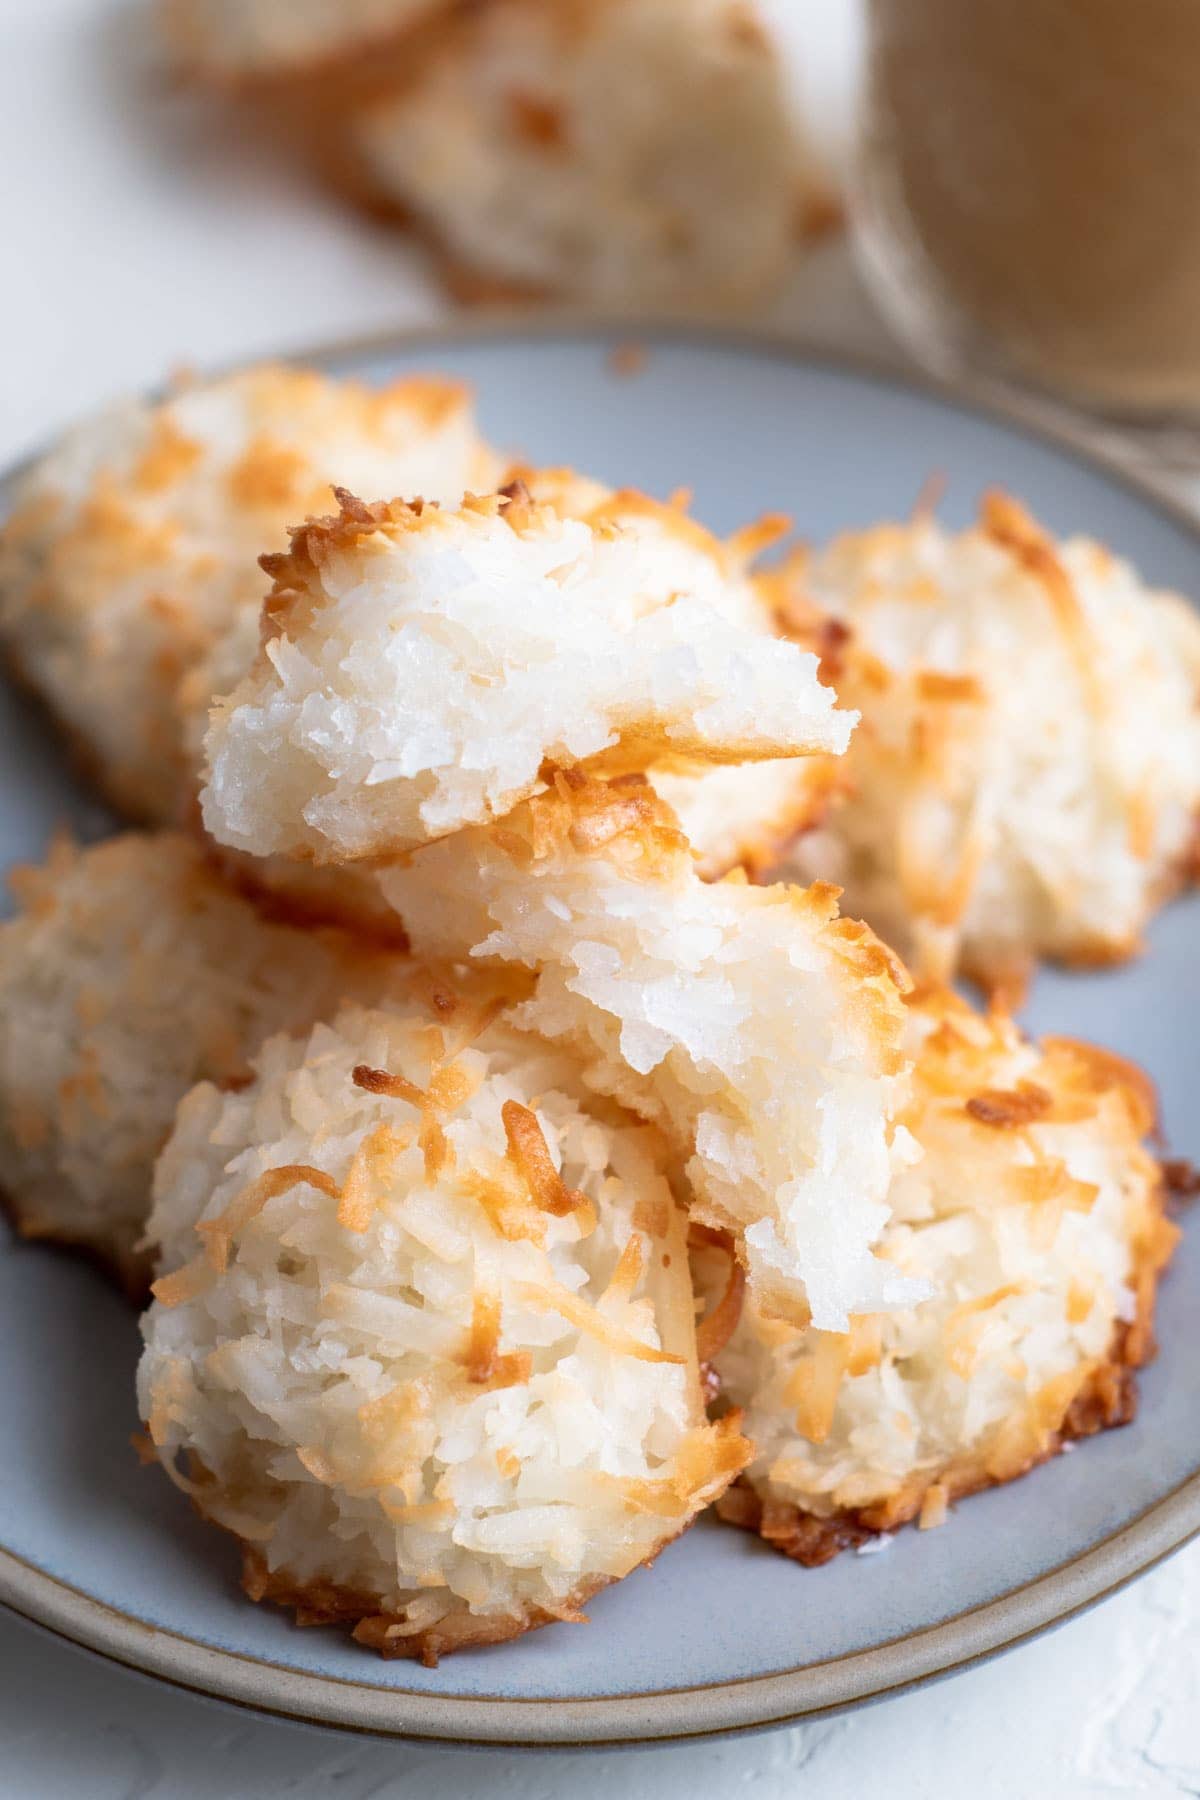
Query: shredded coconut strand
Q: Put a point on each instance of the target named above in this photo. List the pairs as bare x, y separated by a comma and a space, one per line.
1026, 781
424, 665
132, 972
619, 149
242, 40
1040, 1238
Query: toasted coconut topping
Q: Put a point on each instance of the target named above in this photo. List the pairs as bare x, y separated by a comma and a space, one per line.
482, 1354
587, 1319
1182, 1179
756, 1028
412, 681
1026, 780
132, 551
1089, 1070
396, 1087
133, 972
430, 1427
748, 815
367, 1177
1042, 1235
450, 1085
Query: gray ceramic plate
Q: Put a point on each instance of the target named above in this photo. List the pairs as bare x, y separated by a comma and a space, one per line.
720, 1635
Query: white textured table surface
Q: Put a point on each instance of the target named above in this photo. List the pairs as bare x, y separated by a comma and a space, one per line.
133, 239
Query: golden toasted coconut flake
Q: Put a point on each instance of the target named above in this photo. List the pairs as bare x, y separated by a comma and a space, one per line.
935, 1507
1005, 1110
396, 1087
184, 1283
965, 1324
449, 1088
1012, 527
710, 1459
551, 1297
368, 1175
1182, 1179
813, 1387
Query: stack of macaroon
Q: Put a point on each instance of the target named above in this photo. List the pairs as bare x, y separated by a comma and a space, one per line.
464, 1051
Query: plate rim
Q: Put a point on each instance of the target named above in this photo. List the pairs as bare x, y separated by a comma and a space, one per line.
710, 1709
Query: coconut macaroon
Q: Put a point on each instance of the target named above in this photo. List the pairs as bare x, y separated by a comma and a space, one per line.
621, 150
133, 547
236, 41
1036, 1215
1026, 779
758, 1030
426, 1331
423, 665
131, 972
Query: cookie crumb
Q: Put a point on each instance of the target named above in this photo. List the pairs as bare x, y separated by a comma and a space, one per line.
627, 360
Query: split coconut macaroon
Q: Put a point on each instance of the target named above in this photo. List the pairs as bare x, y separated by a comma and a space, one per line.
619, 150
133, 547
1026, 779
426, 1331
758, 1030
736, 815
421, 667
1036, 1217
132, 972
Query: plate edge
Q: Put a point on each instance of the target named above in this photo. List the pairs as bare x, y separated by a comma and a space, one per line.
1050, 1599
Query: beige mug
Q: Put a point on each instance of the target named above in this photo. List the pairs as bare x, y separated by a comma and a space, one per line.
1028, 193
